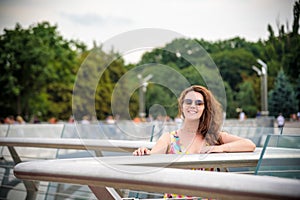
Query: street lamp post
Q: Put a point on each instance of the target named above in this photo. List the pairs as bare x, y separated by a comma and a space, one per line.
142, 91
259, 73
263, 73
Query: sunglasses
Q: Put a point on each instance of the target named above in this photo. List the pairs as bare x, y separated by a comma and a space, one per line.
190, 102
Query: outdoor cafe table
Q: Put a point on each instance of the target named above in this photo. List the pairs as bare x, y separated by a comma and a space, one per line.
153, 173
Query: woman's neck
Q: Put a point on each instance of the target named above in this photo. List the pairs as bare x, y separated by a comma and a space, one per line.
190, 127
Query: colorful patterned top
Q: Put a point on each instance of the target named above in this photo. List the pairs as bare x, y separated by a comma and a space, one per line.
177, 148
175, 145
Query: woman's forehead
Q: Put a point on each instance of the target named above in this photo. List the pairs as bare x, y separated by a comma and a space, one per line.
194, 95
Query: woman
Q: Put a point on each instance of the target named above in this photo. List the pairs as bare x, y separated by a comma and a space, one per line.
200, 131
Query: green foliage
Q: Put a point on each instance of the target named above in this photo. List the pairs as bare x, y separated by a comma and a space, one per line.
192, 76
95, 83
246, 98
297, 91
284, 50
282, 98
38, 69
296, 12
238, 61
31, 61
231, 104
105, 88
159, 95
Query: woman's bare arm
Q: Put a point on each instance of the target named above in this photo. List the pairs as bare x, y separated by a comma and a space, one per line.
160, 147
231, 143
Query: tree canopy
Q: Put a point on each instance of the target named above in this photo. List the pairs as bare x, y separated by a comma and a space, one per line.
39, 69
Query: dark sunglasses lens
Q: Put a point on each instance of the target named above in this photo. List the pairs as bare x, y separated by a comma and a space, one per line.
188, 101
198, 102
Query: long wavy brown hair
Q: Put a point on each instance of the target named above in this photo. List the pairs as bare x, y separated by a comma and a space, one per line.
211, 120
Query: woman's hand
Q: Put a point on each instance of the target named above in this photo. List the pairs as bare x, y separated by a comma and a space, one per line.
141, 151
212, 149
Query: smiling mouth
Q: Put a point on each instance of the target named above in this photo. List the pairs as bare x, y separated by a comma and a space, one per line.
192, 111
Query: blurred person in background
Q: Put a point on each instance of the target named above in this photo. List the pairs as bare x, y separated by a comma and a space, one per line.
20, 120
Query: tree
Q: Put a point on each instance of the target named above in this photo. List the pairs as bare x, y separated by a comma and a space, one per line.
34, 64
283, 51
296, 12
233, 59
158, 95
297, 90
246, 98
282, 98
95, 83
231, 104
233, 64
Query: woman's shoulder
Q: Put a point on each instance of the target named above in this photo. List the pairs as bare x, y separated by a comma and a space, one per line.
169, 135
166, 136
173, 133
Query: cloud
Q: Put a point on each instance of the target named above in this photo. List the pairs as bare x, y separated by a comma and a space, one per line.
91, 19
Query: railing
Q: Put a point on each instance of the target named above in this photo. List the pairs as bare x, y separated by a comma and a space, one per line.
74, 144
83, 134
196, 183
105, 171
63, 143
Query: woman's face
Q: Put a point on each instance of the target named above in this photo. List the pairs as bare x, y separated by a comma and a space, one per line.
193, 105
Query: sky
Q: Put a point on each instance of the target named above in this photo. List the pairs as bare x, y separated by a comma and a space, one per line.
100, 20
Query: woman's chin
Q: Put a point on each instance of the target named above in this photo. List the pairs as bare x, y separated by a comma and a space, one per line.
192, 117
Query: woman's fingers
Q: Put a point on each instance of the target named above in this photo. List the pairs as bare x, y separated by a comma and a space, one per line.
141, 151
137, 152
